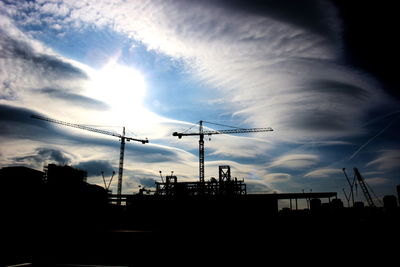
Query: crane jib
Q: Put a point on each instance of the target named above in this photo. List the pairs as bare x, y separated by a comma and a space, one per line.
83, 127
122, 147
233, 131
201, 134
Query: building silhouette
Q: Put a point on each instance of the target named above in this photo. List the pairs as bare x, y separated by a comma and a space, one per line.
56, 216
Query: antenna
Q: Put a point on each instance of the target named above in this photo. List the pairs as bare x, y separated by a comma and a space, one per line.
109, 182
162, 179
104, 180
351, 186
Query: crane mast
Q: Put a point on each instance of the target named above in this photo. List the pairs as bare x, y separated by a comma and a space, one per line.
202, 133
201, 152
121, 164
122, 139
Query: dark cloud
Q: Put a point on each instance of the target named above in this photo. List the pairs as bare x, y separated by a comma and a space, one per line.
11, 48
95, 167
43, 156
147, 182
25, 67
16, 122
257, 187
321, 121
16, 114
335, 88
75, 99
317, 16
152, 154
7, 92
369, 39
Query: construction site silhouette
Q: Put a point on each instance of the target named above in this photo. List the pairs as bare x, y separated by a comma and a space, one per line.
56, 218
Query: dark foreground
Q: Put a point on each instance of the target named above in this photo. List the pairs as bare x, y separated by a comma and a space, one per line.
119, 238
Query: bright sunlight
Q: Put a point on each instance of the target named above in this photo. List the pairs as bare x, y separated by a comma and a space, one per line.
123, 89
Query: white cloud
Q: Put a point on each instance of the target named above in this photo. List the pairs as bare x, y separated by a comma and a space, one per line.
258, 187
276, 73
294, 161
324, 173
57, 9
277, 177
377, 181
387, 160
237, 146
28, 66
270, 72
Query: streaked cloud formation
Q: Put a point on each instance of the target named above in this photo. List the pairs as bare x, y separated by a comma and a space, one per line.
387, 160
295, 161
322, 173
280, 73
277, 64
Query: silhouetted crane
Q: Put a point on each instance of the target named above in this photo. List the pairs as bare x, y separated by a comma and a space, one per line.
202, 133
121, 137
364, 188
351, 185
107, 187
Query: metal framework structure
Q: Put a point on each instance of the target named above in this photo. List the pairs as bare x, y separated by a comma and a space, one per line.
364, 188
207, 188
121, 137
202, 133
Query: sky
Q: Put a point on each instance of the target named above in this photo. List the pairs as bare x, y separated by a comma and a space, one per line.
320, 73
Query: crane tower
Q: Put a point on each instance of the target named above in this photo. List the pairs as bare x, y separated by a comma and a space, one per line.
202, 133
122, 139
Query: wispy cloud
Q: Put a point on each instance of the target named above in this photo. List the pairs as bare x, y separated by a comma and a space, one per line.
281, 70
388, 160
267, 65
239, 146
293, 161
27, 64
40, 156
324, 173
255, 187
277, 177
377, 181
73, 98
95, 167
372, 138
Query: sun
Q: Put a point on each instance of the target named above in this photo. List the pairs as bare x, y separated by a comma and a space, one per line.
120, 87
123, 90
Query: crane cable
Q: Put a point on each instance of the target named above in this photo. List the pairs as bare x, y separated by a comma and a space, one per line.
223, 125
370, 188
218, 124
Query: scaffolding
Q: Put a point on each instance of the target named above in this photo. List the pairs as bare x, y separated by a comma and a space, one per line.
225, 185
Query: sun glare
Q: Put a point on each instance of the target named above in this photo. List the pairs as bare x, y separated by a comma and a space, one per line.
122, 88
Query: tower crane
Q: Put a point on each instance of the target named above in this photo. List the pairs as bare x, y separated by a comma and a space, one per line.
202, 133
122, 139
363, 184
364, 187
